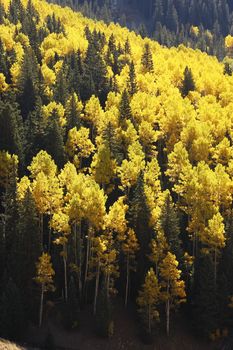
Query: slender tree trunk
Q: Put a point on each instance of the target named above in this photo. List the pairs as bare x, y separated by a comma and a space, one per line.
75, 244
65, 274
215, 267
96, 286
149, 319
41, 224
49, 245
127, 281
168, 316
87, 259
108, 283
80, 260
41, 306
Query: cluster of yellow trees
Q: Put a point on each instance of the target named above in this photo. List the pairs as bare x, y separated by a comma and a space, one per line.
195, 134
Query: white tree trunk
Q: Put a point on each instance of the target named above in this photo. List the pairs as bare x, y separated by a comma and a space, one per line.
96, 286
127, 281
41, 306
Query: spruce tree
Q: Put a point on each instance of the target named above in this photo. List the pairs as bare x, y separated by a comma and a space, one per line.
28, 83
124, 107
109, 136
147, 59
72, 306
204, 297
169, 222
132, 81
11, 128
138, 216
188, 83
53, 141
104, 320
29, 246
12, 318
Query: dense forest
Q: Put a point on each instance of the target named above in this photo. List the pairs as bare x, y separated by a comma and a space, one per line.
201, 24
116, 174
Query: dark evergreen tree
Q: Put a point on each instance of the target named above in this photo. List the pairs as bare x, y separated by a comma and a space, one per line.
109, 136
11, 128
2, 13
169, 222
132, 82
94, 80
147, 59
204, 299
227, 69
12, 319
61, 89
188, 83
28, 83
138, 216
72, 114
124, 108
72, 306
104, 319
3, 60
29, 248
53, 141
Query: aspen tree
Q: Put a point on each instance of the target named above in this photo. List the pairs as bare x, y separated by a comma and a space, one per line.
44, 277
148, 299
172, 287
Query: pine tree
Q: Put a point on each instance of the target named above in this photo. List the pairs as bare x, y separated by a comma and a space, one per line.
28, 83
72, 306
11, 129
61, 88
169, 223
29, 246
72, 112
53, 141
124, 107
204, 298
138, 216
147, 59
188, 83
12, 318
132, 82
104, 319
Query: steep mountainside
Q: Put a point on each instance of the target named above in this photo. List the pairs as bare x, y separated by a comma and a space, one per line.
116, 176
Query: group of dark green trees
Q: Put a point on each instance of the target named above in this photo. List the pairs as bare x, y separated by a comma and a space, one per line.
167, 21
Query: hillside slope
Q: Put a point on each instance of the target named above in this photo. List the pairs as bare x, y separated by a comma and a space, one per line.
116, 175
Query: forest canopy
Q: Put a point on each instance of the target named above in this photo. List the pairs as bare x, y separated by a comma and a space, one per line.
116, 173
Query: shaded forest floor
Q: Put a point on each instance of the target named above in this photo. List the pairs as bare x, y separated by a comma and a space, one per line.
126, 334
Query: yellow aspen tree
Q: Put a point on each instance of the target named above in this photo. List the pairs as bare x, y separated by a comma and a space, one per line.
98, 249
93, 114
172, 287
79, 145
158, 248
48, 197
214, 238
42, 162
130, 246
60, 224
115, 219
130, 169
103, 166
149, 298
44, 277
